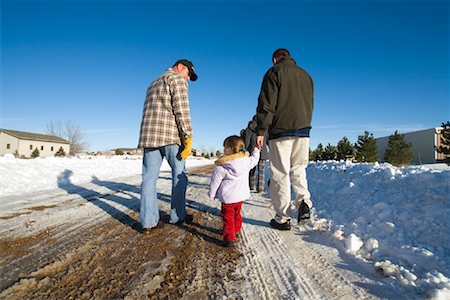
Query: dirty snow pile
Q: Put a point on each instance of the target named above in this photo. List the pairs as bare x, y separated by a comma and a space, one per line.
395, 218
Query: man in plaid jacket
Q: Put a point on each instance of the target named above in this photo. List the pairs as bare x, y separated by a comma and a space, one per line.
166, 131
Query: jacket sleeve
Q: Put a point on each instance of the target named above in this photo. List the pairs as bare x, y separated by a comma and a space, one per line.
267, 102
249, 140
254, 159
180, 104
216, 179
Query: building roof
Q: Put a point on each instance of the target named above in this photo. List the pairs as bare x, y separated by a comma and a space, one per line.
436, 130
34, 136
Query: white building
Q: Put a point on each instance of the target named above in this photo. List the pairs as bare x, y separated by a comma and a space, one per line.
24, 143
424, 144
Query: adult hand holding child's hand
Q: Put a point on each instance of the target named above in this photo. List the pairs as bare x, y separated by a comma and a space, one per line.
259, 142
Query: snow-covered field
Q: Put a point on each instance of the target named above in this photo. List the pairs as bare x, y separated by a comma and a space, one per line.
394, 220
20, 176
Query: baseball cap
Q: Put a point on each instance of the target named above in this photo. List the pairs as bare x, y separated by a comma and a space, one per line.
190, 67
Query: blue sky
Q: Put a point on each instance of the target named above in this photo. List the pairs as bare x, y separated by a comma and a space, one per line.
379, 66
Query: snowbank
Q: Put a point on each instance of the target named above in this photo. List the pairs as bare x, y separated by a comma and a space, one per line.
397, 218
22, 176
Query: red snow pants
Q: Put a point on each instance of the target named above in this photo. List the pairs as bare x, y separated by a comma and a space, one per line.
232, 220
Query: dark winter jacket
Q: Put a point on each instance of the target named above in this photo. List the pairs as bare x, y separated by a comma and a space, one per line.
286, 100
249, 137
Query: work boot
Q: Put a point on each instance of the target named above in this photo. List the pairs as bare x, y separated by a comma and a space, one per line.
187, 220
281, 226
303, 212
229, 244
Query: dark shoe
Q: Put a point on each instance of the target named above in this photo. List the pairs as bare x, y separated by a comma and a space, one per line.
188, 219
281, 226
303, 212
228, 244
148, 230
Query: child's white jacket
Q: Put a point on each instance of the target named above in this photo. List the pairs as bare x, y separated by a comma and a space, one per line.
229, 180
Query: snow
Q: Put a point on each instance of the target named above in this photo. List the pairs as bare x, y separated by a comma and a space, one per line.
353, 243
392, 219
396, 218
21, 176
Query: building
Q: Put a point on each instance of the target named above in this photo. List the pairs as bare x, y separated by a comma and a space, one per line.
424, 144
24, 143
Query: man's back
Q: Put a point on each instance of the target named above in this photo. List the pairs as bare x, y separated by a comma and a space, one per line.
287, 91
166, 111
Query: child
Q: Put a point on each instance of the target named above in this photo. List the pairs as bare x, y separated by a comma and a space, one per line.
229, 183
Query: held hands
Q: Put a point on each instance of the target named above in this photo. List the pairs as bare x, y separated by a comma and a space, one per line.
187, 148
259, 142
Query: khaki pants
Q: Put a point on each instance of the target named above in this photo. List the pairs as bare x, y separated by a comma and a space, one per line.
288, 161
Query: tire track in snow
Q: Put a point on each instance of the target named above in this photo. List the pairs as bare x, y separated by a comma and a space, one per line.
274, 267
287, 267
258, 286
325, 275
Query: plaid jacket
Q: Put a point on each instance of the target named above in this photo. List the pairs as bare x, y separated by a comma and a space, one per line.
166, 117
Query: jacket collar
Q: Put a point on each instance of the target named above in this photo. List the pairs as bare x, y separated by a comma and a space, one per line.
227, 158
286, 60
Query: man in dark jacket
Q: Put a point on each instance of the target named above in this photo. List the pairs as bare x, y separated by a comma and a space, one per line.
256, 175
285, 107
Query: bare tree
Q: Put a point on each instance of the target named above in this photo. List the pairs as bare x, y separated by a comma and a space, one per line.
70, 132
56, 128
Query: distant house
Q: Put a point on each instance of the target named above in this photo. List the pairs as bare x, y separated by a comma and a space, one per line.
424, 143
24, 143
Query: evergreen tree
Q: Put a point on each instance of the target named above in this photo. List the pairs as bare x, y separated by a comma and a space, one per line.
330, 152
345, 149
366, 148
60, 152
35, 153
398, 151
310, 155
445, 142
317, 154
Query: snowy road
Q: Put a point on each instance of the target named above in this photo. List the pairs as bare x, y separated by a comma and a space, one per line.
82, 241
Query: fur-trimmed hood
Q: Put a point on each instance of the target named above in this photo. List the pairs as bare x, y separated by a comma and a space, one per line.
226, 158
232, 163
229, 180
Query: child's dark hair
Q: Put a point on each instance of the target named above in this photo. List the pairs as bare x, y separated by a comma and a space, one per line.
235, 143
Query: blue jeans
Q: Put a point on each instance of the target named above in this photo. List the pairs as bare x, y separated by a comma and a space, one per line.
153, 157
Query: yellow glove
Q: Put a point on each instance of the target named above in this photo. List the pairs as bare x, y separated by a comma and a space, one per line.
187, 148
